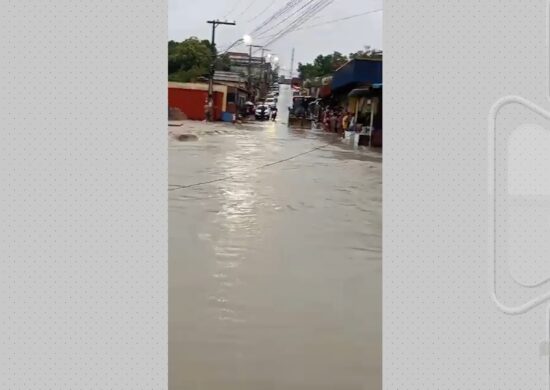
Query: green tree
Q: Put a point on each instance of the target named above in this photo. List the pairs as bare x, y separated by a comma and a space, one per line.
367, 52
337, 60
323, 65
189, 59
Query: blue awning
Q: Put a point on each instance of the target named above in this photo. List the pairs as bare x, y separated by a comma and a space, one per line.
357, 72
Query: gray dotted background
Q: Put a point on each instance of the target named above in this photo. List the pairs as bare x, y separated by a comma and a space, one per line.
446, 64
83, 240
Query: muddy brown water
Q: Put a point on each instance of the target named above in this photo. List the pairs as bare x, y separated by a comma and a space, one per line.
275, 260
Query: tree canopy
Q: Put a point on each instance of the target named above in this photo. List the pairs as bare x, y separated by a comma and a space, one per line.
190, 59
325, 65
322, 65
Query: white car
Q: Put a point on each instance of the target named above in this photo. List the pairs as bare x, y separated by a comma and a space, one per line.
263, 112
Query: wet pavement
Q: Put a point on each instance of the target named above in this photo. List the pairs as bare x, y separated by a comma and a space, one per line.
275, 259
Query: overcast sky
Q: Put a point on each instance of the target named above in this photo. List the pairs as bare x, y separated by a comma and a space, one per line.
188, 18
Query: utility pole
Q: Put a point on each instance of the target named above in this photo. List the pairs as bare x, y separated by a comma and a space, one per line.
214, 23
250, 72
291, 65
250, 67
262, 81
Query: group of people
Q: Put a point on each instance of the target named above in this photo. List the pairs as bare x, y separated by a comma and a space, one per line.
338, 120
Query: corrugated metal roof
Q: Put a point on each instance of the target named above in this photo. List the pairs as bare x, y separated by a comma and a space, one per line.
228, 76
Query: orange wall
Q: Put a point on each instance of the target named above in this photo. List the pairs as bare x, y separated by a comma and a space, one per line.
192, 101
202, 87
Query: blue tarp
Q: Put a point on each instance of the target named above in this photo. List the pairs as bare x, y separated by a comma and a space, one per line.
227, 117
358, 72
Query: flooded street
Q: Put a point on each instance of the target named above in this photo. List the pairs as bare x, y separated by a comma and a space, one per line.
275, 259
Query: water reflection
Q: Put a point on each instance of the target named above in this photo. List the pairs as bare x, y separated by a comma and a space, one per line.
275, 273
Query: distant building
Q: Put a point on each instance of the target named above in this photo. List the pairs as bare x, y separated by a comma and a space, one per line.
237, 92
240, 63
258, 66
234, 79
260, 72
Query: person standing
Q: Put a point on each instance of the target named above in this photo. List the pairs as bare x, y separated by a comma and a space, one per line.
339, 122
345, 121
206, 111
333, 122
352, 122
326, 119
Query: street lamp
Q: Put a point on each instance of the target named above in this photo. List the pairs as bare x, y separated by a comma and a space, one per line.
247, 39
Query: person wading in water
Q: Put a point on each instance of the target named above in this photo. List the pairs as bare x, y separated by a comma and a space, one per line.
345, 124
207, 111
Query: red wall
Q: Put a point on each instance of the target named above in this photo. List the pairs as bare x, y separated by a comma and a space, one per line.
192, 101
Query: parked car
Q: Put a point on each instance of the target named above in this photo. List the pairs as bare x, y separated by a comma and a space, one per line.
263, 112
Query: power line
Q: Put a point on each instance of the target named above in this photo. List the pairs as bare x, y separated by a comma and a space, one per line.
340, 19
289, 28
331, 21
304, 13
176, 187
262, 34
276, 15
271, 3
281, 11
316, 8
246, 8
233, 9
287, 7
308, 14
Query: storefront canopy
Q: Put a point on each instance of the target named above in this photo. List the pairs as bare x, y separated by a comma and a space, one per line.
357, 72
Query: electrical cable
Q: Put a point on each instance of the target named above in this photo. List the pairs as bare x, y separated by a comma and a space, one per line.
246, 8
280, 12
233, 9
331, 21
271, 3
311, 8
285, 8
176, 187
315, 9
262, 34
340, 19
